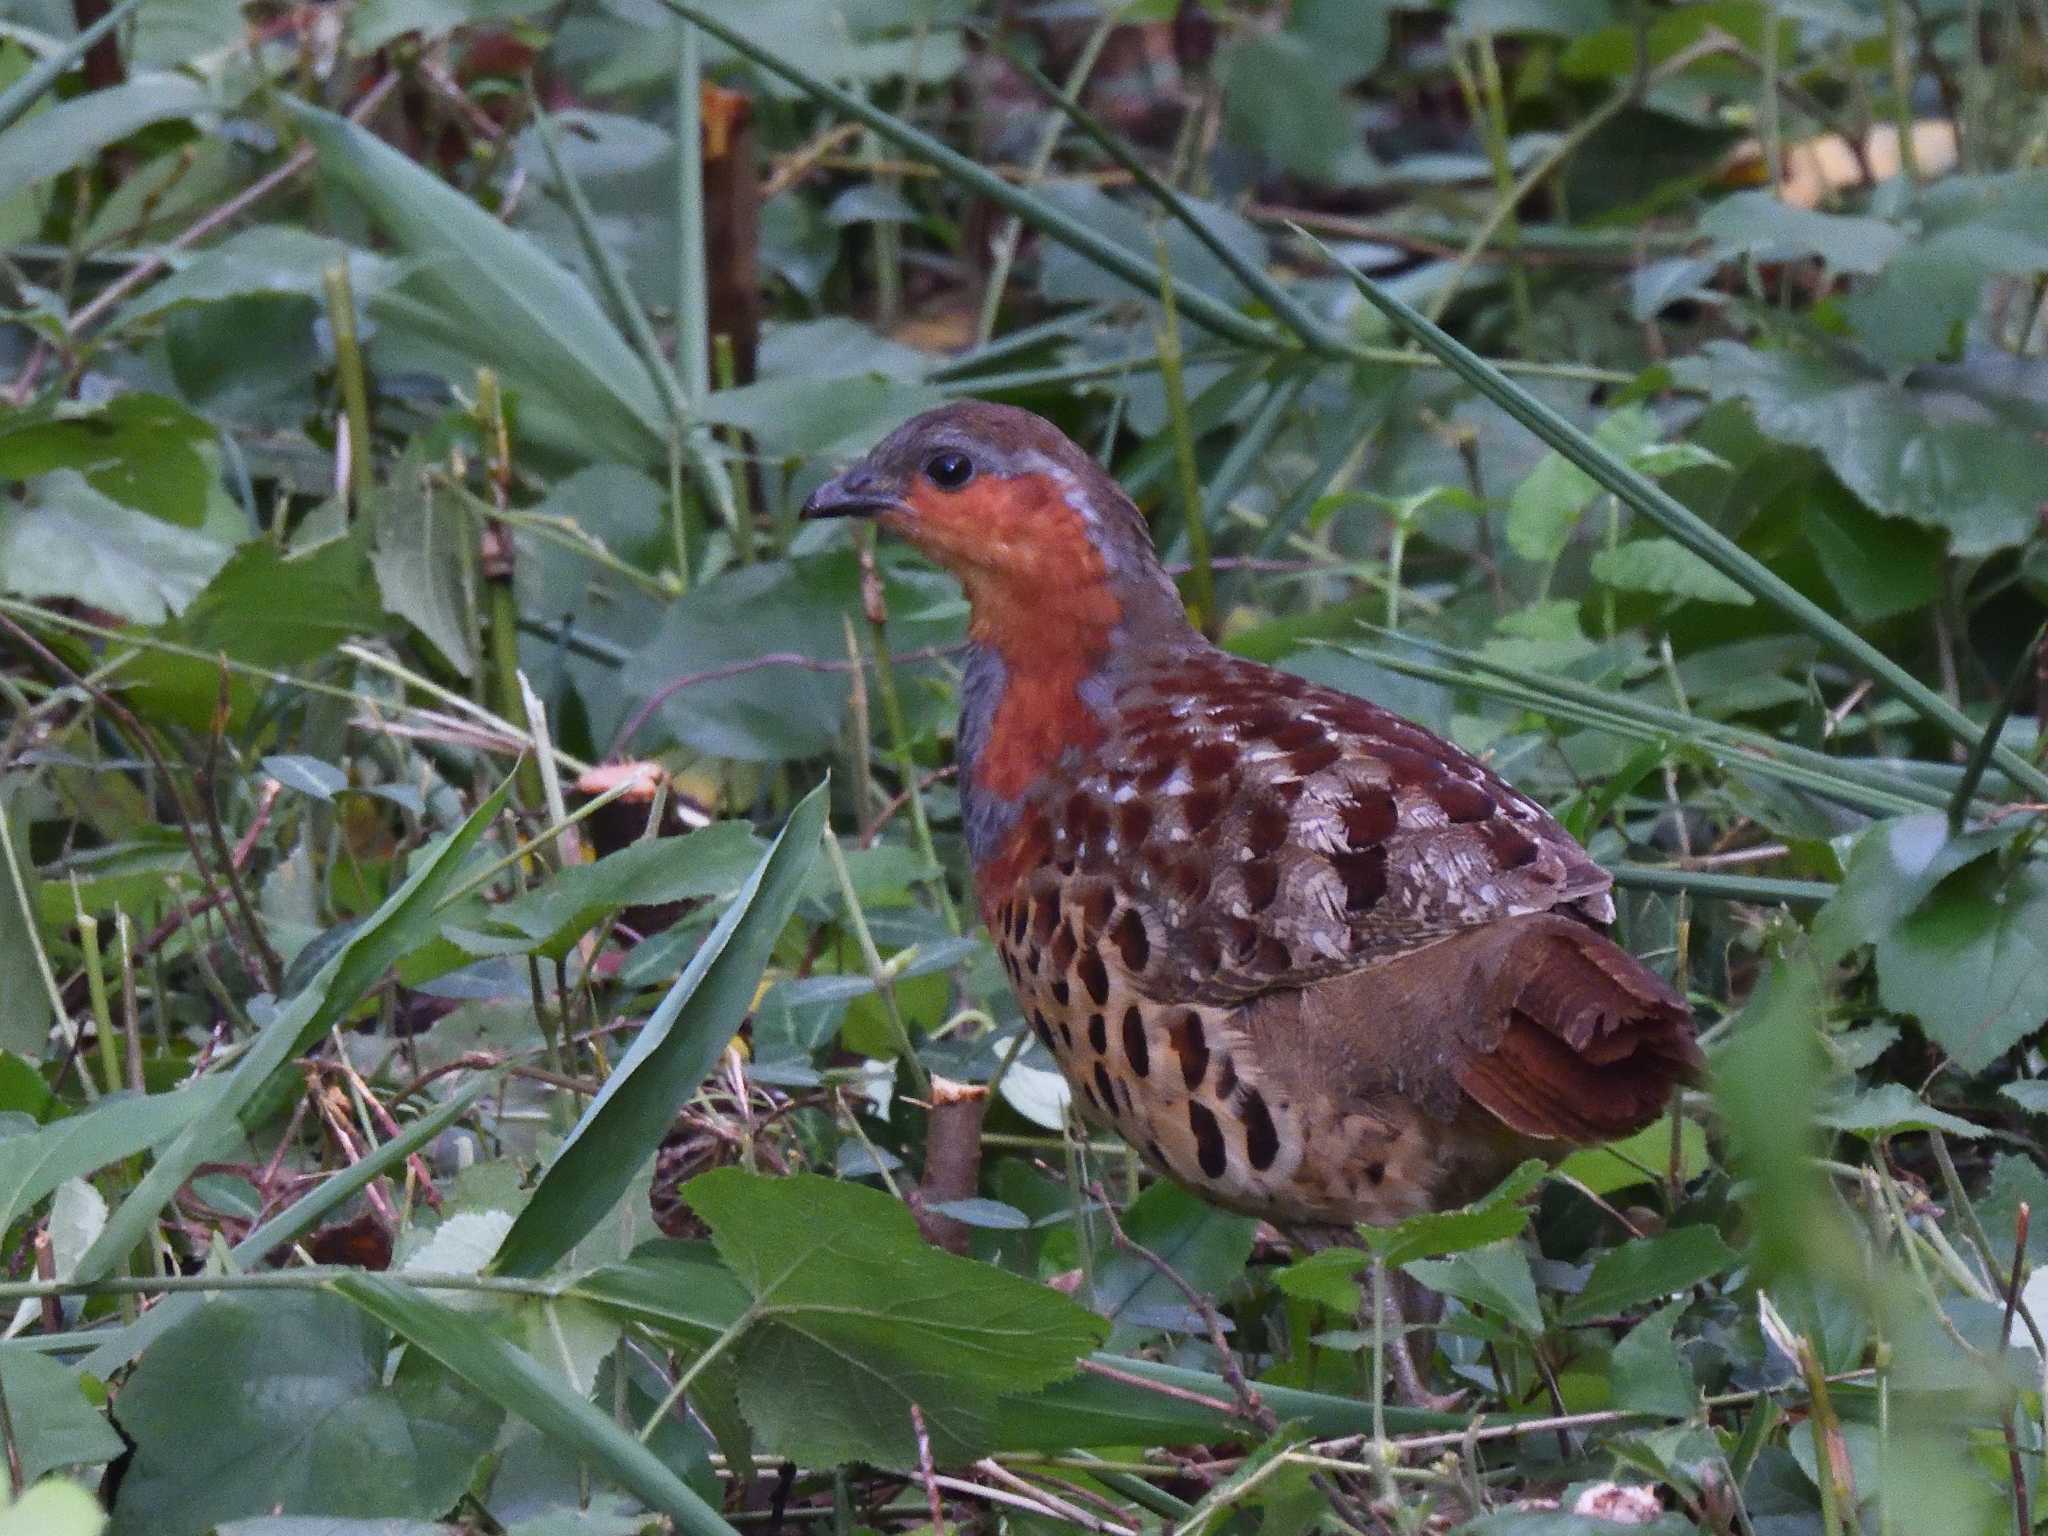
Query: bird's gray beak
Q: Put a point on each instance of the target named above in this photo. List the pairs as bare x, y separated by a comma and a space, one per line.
857, 493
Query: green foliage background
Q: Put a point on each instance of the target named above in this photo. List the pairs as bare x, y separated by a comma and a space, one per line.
405, 1128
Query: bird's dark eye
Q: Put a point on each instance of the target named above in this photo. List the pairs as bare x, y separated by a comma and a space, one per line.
949, 471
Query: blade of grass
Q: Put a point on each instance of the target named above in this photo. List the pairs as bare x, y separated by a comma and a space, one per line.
1647, 498
1202, 308
1867, 786
30, 88
1314, 334
2023, 674
671, 1055
405, 919
693, 308
506, 1374
289, 1225
1722, 887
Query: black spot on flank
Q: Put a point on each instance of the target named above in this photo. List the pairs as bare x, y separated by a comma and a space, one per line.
1094, 976
1098, 1033
1136, 1050
1066, 1035
1191, 1045
1375, 1173
1208, 1139
1041, 1029
1364, 876
1060, 992
1226, 1079
1261, 1140
1104, 1089
1128, 934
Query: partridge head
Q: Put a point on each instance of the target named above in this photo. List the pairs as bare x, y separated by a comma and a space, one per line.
1314, 962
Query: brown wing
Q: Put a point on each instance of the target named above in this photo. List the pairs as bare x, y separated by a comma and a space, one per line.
1262, 832
1550, 1027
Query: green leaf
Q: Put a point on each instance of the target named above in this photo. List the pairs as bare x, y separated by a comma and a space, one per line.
1894, 867
55, 1424
1763, 226
711, 861
1205, 1246
294, 1384
1971, 962
405, 920
512, 1379
1283, 101
1650, 1267
52, 1507
2031, 1094
1650, 1376
1495, 1277
1666, 566
1881, 566
675, 1049
855, 1318
1930, 457
307, 775
36, 1162
1888, 1109
1498, 1215
1603, 1170
1547, 504
423, 570
69, 540
115, 1350
72, 132
271, 259
139, 450
498, 297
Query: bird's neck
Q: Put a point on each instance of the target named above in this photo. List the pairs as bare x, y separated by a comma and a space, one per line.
1040, 677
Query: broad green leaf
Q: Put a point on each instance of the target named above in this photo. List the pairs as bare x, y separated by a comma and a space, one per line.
1603, 1170
1205, 1246
1649, 1373
269, 259
1971, 962
675, 1049
376, 23
1942, 461
512, 1379
55, 1424
116, 1350
500, 300
1888, 1109
2031, 1094
53, 1507
69, 540
1283, 101
1495, 1278
854, 1318
422, 570
1764, 227
1880, 566
1498, 1215
1648, 1267
1893, 868
710, 861
1666, 566
72, 132
1546, 505
296, 1395
265, 608
405, 920
307, 775
828, 418
1348, 37
36, 1162
139, 450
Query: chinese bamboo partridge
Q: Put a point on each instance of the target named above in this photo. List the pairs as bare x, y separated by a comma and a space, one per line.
1314, 962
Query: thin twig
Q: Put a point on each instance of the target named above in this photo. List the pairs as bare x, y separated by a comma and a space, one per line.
927, 1470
